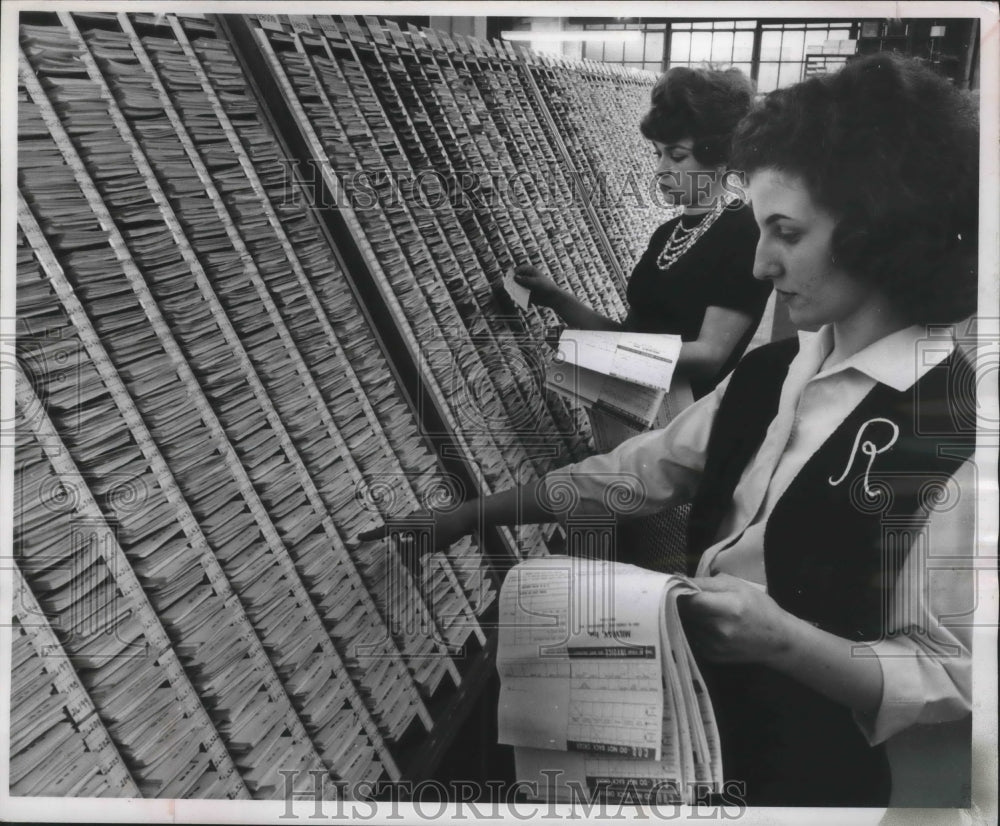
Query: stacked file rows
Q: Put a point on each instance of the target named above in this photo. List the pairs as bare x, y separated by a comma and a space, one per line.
446, 105
441, 157
51, 721
539, 176
252, 419
437, 162
207, 417
615, 168
418, 271
522, 175
74, 579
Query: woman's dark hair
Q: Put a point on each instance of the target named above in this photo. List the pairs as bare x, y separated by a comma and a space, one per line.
702, 104
891, 149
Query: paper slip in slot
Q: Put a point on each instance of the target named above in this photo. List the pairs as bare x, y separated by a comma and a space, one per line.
269, 734
76, 767
236, 693
216, 682
141, 678
48, 778
340, 735
22, 652
519, 294
34, 718
121, 640
251, 702
179, 576
256, 722
287, 655
40, 752
154, 725
181, 786
173, 762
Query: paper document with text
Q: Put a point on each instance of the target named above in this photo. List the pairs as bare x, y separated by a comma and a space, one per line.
598, 685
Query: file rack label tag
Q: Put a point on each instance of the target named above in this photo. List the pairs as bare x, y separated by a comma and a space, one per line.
270, 21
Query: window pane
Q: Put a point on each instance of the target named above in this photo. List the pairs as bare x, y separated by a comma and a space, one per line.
614, 52
722, 47
743, 46
591, 50
653, 67
815, 39
792, 46
767, 78
680, 47
790, 73
633, 51
701, 47
654, 46
770, 45
701, 24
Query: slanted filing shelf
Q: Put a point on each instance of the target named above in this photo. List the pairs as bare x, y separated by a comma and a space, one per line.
222, 378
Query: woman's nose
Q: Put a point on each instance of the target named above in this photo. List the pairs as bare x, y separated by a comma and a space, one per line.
666, 174
764, 264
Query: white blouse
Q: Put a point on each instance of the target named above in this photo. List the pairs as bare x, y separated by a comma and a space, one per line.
926, 665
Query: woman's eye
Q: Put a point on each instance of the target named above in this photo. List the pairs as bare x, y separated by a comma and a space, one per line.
789, 236
678, 158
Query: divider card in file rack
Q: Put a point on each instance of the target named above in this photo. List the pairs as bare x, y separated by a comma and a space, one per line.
626, 374
598, 685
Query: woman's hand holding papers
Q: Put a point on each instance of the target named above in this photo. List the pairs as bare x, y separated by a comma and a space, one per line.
732, 620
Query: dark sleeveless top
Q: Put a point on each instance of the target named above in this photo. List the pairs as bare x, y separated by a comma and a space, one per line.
716, 271
831, 554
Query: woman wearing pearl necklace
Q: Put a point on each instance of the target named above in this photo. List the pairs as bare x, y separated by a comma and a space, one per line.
695, 278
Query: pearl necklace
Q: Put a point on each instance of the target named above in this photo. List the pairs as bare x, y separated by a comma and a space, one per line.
682, 238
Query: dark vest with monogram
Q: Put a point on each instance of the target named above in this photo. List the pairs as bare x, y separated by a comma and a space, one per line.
833, 546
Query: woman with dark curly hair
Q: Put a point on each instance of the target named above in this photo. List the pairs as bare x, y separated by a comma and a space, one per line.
831, 475
694, 279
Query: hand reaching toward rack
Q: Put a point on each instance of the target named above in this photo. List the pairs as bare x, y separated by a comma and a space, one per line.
520, 505
446, 527
544, 291
567, 306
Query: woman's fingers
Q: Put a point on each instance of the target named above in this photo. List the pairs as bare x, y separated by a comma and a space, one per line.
403, 527
426, 531
733, 620
720, 582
